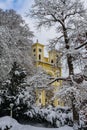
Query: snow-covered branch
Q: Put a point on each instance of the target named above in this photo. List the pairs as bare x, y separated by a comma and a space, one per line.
78, 78
59, 78
84, 44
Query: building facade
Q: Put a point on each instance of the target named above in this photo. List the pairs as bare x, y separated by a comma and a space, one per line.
52, 67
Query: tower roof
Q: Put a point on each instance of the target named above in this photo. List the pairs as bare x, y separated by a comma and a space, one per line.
37, 43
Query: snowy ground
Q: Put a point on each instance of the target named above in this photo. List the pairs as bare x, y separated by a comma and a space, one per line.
16, 126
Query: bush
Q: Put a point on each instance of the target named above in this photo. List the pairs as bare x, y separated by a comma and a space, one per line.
56, 117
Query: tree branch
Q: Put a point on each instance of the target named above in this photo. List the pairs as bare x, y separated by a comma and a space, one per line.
57, 20
59, 78
85, 43
76, 79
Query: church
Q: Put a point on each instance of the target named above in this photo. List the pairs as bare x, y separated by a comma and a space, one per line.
52, 67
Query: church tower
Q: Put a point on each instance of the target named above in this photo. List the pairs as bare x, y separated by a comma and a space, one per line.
38, 51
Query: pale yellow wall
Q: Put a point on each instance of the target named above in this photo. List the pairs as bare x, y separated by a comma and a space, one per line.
40, 95
45, 59
52, 56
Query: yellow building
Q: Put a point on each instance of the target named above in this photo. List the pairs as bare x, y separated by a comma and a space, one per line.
51, 67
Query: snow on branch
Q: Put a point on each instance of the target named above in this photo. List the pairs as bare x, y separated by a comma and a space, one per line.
59, 78
85, 43
74, 78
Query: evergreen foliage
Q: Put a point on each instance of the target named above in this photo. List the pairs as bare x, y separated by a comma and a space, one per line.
16, 91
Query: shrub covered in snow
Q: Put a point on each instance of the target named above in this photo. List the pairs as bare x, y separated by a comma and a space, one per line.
56, 117
83, 119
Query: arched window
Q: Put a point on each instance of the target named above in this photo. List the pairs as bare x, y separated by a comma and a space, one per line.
40, 50
39, 57
39, 100
51, 61
34, 50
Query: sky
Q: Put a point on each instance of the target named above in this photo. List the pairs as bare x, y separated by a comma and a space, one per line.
22, 7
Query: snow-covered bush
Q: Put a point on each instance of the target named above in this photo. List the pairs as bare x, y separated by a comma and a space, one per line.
56, 117
83, 119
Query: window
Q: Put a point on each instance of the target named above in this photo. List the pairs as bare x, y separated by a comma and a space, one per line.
46, 100
34, 50
39, 57
51, 61
39, 100
40, 50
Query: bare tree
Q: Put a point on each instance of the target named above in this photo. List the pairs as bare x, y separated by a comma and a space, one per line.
70, 21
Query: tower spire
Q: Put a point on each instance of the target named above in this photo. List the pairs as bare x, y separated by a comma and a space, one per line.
37, 41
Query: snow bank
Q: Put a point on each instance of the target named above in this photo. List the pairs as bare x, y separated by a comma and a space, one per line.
16, 126
9, 122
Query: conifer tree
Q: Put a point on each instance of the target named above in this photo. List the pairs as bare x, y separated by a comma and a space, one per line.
16, 91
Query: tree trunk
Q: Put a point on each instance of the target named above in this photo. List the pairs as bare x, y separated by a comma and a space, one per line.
75, 116
71, 72
70, 64
75, 113
69, 56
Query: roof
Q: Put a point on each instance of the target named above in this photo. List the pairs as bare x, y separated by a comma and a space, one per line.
38, 44
53, 50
